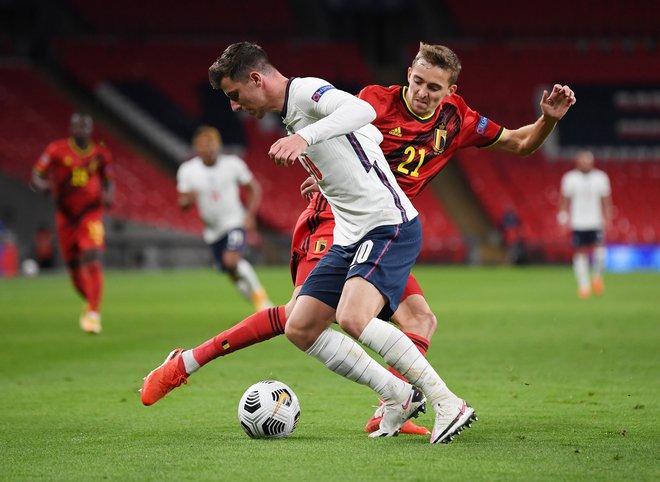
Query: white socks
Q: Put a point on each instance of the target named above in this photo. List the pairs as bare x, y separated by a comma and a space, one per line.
581, 269
189, 362
401, 353
246, 279
345, 357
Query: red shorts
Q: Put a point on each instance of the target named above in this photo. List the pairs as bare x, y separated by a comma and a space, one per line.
84, 234
312, 238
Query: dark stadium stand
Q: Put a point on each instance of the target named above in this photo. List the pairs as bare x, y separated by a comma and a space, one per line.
172, 17
520, 18
34, 114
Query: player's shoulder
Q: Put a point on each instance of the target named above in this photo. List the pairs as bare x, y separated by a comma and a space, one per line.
379, 96
190, 164
230, 158
570, 175
380, 90
456, 100
58, 145
309, 85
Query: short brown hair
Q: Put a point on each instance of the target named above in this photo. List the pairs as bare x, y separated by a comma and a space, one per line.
440, 56
237, 61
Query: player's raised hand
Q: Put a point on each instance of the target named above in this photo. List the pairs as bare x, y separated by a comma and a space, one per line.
556, 104
286, 150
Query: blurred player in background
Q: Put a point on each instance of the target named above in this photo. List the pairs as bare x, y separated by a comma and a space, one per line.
77, 171
212, 180
422, 124
586, 206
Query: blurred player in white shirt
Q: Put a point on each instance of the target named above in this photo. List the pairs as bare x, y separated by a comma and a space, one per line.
212, 180
586, 206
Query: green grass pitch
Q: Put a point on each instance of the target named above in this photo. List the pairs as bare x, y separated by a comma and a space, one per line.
565, 389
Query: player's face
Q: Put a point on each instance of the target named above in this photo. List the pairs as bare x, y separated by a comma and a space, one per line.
584, 161
208, 148
428, 85
81, 128
245, 96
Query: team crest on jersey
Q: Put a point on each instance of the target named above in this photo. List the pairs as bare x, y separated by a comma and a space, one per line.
320, 245
67, 161
395, 132
316, 96
439, 139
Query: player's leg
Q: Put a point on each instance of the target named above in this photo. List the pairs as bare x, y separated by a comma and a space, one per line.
581, 270
598, 264
260, 326
92, 274
228, 253
417, 321
91, 242
66, 237
381, 268
308, 329
180, 364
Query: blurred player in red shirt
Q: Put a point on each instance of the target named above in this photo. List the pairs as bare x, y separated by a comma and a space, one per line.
423, 125
77, 171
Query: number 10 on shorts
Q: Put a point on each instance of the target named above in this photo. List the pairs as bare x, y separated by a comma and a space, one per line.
363, 252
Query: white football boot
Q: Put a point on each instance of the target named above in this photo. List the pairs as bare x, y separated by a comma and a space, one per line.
396, 414
450, 419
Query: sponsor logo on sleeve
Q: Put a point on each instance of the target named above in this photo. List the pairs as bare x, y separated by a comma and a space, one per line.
482, 125
316, 96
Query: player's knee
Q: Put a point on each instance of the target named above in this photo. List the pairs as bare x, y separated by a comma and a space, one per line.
300, 337
350, 323
423, 323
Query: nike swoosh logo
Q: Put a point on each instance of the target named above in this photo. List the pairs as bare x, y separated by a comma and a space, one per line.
405, 405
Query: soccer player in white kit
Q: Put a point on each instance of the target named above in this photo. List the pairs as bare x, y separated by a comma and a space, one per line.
212, 180
377, 236
586, 206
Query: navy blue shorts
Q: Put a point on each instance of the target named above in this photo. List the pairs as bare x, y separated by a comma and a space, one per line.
384, 257
587, 238
234, 240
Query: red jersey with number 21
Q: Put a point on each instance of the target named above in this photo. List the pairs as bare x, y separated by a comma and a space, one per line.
76, 174
417, 148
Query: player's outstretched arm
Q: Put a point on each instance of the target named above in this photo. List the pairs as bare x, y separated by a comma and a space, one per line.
527, 139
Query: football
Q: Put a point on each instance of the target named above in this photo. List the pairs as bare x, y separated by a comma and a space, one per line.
269, 409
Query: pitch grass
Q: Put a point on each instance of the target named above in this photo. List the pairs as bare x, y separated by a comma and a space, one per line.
565, 389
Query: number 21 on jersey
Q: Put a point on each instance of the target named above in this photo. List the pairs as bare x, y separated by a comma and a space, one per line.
411, 153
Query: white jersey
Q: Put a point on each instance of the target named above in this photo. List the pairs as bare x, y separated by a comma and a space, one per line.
345, 158
218, 193
585, 192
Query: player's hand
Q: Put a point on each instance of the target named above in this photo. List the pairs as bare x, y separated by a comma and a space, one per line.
556, 104
285, 151
562, 219
308, 188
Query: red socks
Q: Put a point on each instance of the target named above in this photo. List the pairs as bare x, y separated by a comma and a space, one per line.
77, 278
88, 281
422, 345
94, 284
261, 326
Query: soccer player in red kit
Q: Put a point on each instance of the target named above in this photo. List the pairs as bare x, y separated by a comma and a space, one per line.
423, 124
77, 171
